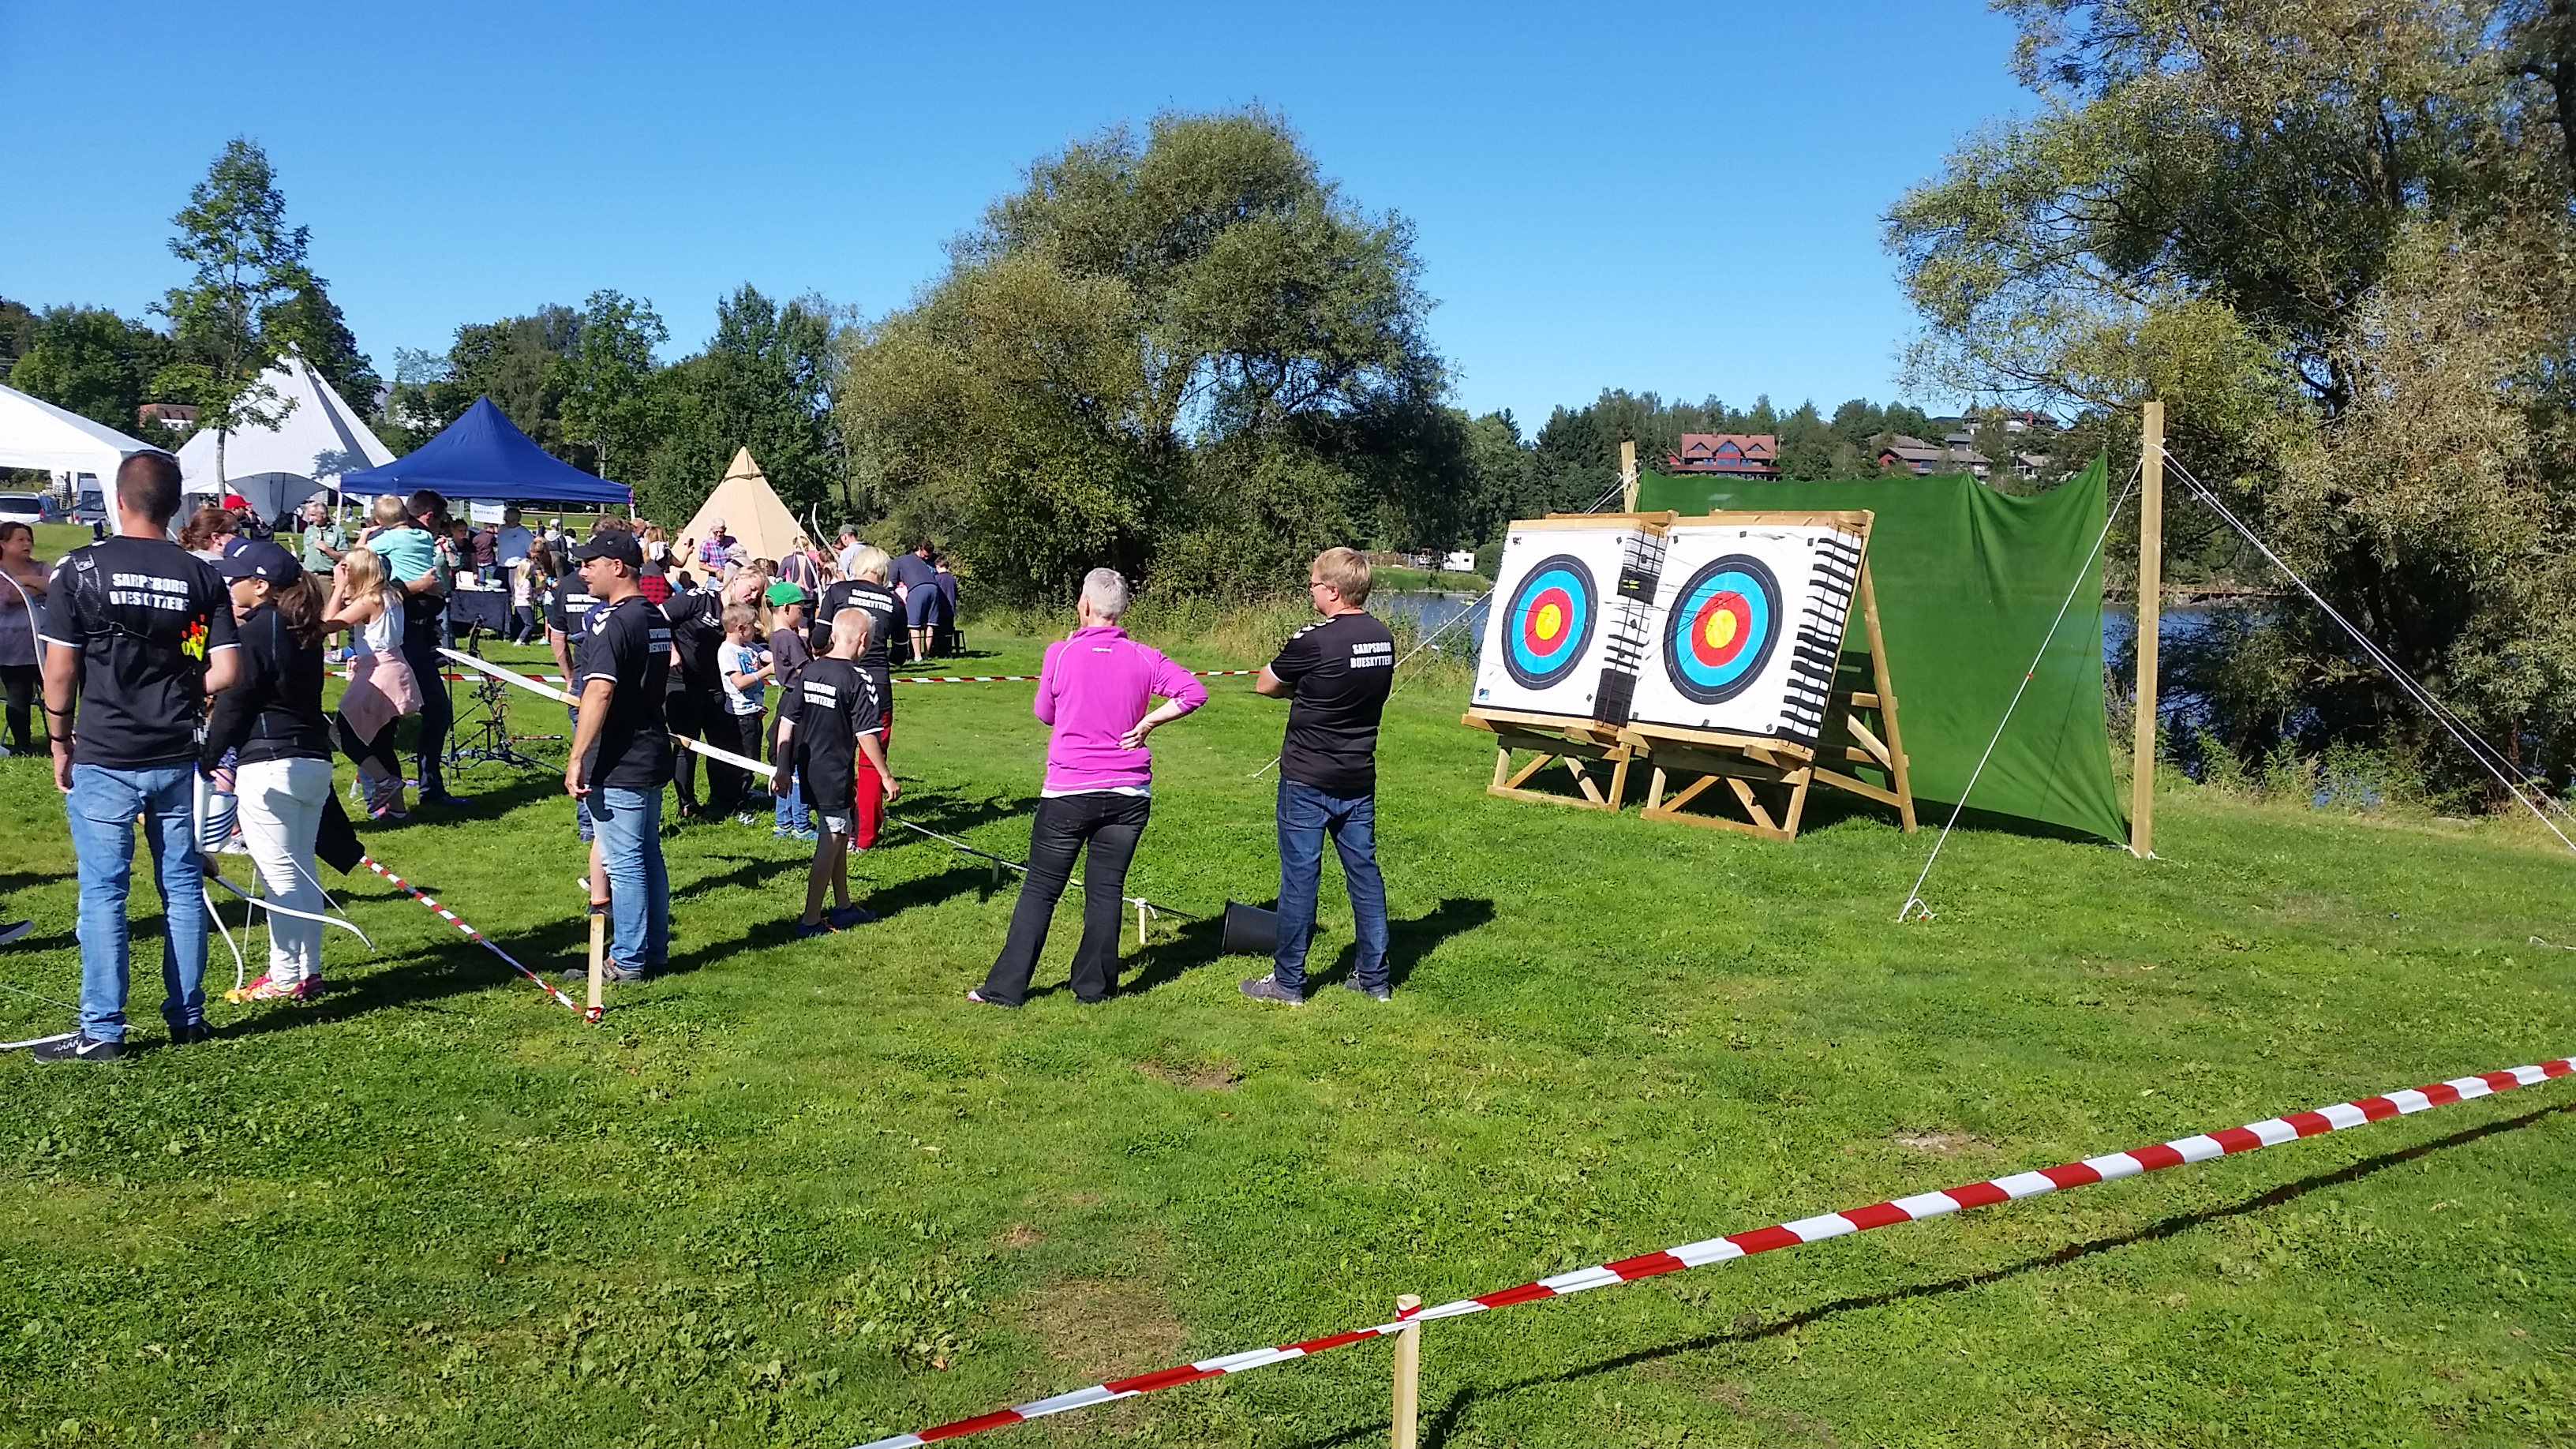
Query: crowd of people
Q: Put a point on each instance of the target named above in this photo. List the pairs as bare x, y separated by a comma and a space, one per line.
182, 682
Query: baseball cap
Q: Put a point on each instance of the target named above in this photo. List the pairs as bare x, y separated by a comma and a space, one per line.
782, 593
257, 558
613, 543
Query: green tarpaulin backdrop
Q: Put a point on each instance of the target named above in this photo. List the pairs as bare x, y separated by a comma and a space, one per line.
1968, 583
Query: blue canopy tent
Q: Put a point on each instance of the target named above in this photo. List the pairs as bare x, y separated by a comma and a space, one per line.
484, 455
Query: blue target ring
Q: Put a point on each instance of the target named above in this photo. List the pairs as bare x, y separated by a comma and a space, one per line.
1721, 629
1548, 622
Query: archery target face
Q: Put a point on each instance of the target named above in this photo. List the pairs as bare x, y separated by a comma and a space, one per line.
1748, 628
1721, 629
1543, 637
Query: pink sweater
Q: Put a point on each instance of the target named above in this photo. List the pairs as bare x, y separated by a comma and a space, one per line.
1093, 688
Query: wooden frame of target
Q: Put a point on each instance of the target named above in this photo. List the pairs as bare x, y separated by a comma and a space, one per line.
1573, 611
1752, 677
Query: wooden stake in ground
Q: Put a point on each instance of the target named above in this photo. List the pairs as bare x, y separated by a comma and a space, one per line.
598, 951
2151, 585
1628, 476
1408, 1376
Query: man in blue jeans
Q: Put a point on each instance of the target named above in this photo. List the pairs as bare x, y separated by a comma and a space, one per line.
137, 633
1335, 676
621, 751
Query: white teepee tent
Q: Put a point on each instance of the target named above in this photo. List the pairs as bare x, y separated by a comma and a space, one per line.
750, 510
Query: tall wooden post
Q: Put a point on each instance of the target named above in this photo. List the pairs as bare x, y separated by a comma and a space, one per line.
1628, 475
2151, 585
1408, 1376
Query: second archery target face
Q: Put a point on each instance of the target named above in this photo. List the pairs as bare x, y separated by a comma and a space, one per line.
1721, 628
1749, 627
1544, 637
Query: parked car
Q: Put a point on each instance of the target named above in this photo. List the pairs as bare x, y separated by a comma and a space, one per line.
92, 507
26, 508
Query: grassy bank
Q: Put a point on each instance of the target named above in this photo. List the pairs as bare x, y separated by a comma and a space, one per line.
801, 1193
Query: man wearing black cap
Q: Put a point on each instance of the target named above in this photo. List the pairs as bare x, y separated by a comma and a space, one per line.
621, 750
137, 633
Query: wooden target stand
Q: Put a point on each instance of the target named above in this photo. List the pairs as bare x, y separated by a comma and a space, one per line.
1766, 779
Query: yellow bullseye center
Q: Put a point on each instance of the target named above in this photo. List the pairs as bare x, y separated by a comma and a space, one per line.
1721, 629
1551, 621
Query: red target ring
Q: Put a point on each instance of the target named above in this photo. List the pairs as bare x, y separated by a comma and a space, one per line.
1721, 629
1549, 621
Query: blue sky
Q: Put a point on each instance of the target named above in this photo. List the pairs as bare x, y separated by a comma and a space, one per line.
1676, 198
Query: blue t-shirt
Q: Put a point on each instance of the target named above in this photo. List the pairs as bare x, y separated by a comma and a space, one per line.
407, 552
912, 571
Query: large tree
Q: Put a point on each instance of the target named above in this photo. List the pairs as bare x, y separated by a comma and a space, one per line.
606, 380
2333, 236
234, 316
1184, 353
93, 362
765, 382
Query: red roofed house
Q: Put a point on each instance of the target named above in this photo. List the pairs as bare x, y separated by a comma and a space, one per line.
1735, 455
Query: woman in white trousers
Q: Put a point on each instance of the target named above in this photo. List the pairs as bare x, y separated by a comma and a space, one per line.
271, 723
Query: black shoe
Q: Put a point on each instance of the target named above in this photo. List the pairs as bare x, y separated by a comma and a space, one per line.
441, 797
1267, 988
78, 1047
976, 995
191, 1034
1373, 993
844, 917
15, 930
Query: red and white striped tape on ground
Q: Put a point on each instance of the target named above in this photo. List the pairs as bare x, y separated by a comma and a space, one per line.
2270, 1132
486, 942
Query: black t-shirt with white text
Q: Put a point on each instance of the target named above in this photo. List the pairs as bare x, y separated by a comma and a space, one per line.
884, 610
1342, 669
629, 644
697, 626
145, 615
831, 704
568, 603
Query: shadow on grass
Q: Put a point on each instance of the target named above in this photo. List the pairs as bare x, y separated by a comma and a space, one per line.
1407, 942
14, 881
1443, 1424
886, 902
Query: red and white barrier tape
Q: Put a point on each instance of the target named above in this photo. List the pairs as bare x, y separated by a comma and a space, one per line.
2270, 1132
486, 942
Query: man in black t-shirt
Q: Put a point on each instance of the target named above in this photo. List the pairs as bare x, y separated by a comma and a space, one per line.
621, 751
137, 634
1335, 676
697, 691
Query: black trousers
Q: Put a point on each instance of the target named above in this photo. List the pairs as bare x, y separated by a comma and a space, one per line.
24, 686
380, 749
684, 714
421, 633
728, 785
1111, 825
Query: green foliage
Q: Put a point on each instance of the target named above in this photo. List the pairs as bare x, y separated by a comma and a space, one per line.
764, 382
518, 363
92, 362
1185, 354
2333, 239
606, 380
250, 294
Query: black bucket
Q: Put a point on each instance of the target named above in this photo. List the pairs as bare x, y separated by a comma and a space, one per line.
1249, 930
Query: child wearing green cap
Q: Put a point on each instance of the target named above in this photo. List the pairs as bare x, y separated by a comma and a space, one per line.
787, 657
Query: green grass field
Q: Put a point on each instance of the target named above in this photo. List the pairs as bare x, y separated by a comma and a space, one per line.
803, 1194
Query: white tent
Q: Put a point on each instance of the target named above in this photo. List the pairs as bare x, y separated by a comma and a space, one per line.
320, 438
750, 510
36, 434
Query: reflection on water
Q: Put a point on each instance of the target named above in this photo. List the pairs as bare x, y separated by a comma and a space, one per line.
1431, 610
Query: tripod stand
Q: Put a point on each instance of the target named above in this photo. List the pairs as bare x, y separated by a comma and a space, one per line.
483, 731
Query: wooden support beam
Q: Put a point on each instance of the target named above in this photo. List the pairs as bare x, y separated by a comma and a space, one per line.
1628, 476
2151, 587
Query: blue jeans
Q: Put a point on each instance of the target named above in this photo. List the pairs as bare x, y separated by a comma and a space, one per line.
102, 807
629, 823
1306, 815
787, 808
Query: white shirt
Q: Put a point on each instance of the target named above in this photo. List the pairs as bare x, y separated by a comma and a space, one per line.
849, 558
513, 545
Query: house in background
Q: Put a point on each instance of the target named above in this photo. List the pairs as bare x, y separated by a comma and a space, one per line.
1953, 454
177, 417
1732, 455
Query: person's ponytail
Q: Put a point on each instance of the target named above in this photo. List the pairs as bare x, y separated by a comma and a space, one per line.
299, 608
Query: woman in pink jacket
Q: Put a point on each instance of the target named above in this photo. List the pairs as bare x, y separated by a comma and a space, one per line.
1094, 689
